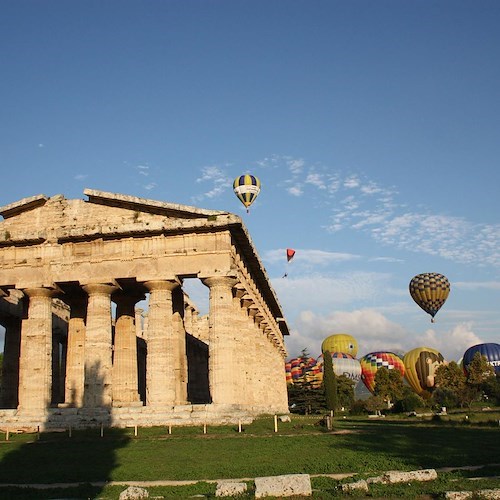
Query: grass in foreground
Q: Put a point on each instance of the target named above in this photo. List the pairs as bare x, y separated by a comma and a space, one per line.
363, 446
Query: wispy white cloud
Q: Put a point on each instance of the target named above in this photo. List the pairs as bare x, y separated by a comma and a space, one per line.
477, 285
352, 182
217, 179
150, 186
364, 205
80, 177
295, 190
352, 290
308, 256
316, 180
143, 170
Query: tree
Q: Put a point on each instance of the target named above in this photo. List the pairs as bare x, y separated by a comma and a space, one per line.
375, 404
450, 376
388, 385
410, 401
304, 399
345, 391
480, 374
451, 387
479, 370
329, 382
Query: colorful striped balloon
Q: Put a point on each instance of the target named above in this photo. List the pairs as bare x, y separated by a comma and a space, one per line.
371, 362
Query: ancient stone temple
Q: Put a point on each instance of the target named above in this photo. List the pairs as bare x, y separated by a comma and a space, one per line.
79, 351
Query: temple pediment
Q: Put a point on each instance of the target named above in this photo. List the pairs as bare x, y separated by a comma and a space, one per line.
56, 218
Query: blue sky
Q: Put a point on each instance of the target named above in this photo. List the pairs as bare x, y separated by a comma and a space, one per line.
373, 126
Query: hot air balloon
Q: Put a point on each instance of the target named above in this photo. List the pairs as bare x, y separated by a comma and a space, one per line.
299, 368
491, 351
420, 367
372, 361
343, 364
340, 342
246, 187
430, 291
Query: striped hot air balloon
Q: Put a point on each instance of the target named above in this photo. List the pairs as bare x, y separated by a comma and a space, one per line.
246, 187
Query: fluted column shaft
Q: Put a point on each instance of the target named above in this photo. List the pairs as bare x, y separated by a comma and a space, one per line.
75, 358
98, 346
35, 363
125, 376
160, 375
221, 363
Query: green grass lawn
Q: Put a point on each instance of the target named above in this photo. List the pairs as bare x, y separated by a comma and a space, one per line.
357, 445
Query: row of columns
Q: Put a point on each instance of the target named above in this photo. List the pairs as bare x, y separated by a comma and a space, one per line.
98, 376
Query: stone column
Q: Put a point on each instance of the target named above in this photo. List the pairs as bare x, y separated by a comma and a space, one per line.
160, 369
75, 357
180, 356
125, 376
244, 354
98, 346
10, 367
221, 363
35, 363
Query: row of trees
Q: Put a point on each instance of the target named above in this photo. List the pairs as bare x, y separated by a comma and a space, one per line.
452, 389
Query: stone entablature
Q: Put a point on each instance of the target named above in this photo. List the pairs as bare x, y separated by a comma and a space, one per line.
90, 258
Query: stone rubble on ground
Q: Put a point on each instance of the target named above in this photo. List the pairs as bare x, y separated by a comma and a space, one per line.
230, 489
134, 493
283, 486
463, 495
356, 486
393, 477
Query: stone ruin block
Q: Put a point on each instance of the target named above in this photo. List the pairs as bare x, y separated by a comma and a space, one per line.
283, 486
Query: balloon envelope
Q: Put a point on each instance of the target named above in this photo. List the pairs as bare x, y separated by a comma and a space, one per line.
489, 350
340, 342
246, 187
420, 367
430, 291
298, 369
371, 362
343, 364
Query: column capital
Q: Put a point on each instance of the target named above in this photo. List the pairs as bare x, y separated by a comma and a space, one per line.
40, 292
229, 281
153, 285
100, 288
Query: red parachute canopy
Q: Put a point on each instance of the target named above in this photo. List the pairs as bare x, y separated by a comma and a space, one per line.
290, 252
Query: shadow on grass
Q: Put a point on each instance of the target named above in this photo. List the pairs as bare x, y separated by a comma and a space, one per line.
426, 445
85, 456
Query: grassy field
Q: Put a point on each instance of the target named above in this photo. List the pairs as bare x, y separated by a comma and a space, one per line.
363, 446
